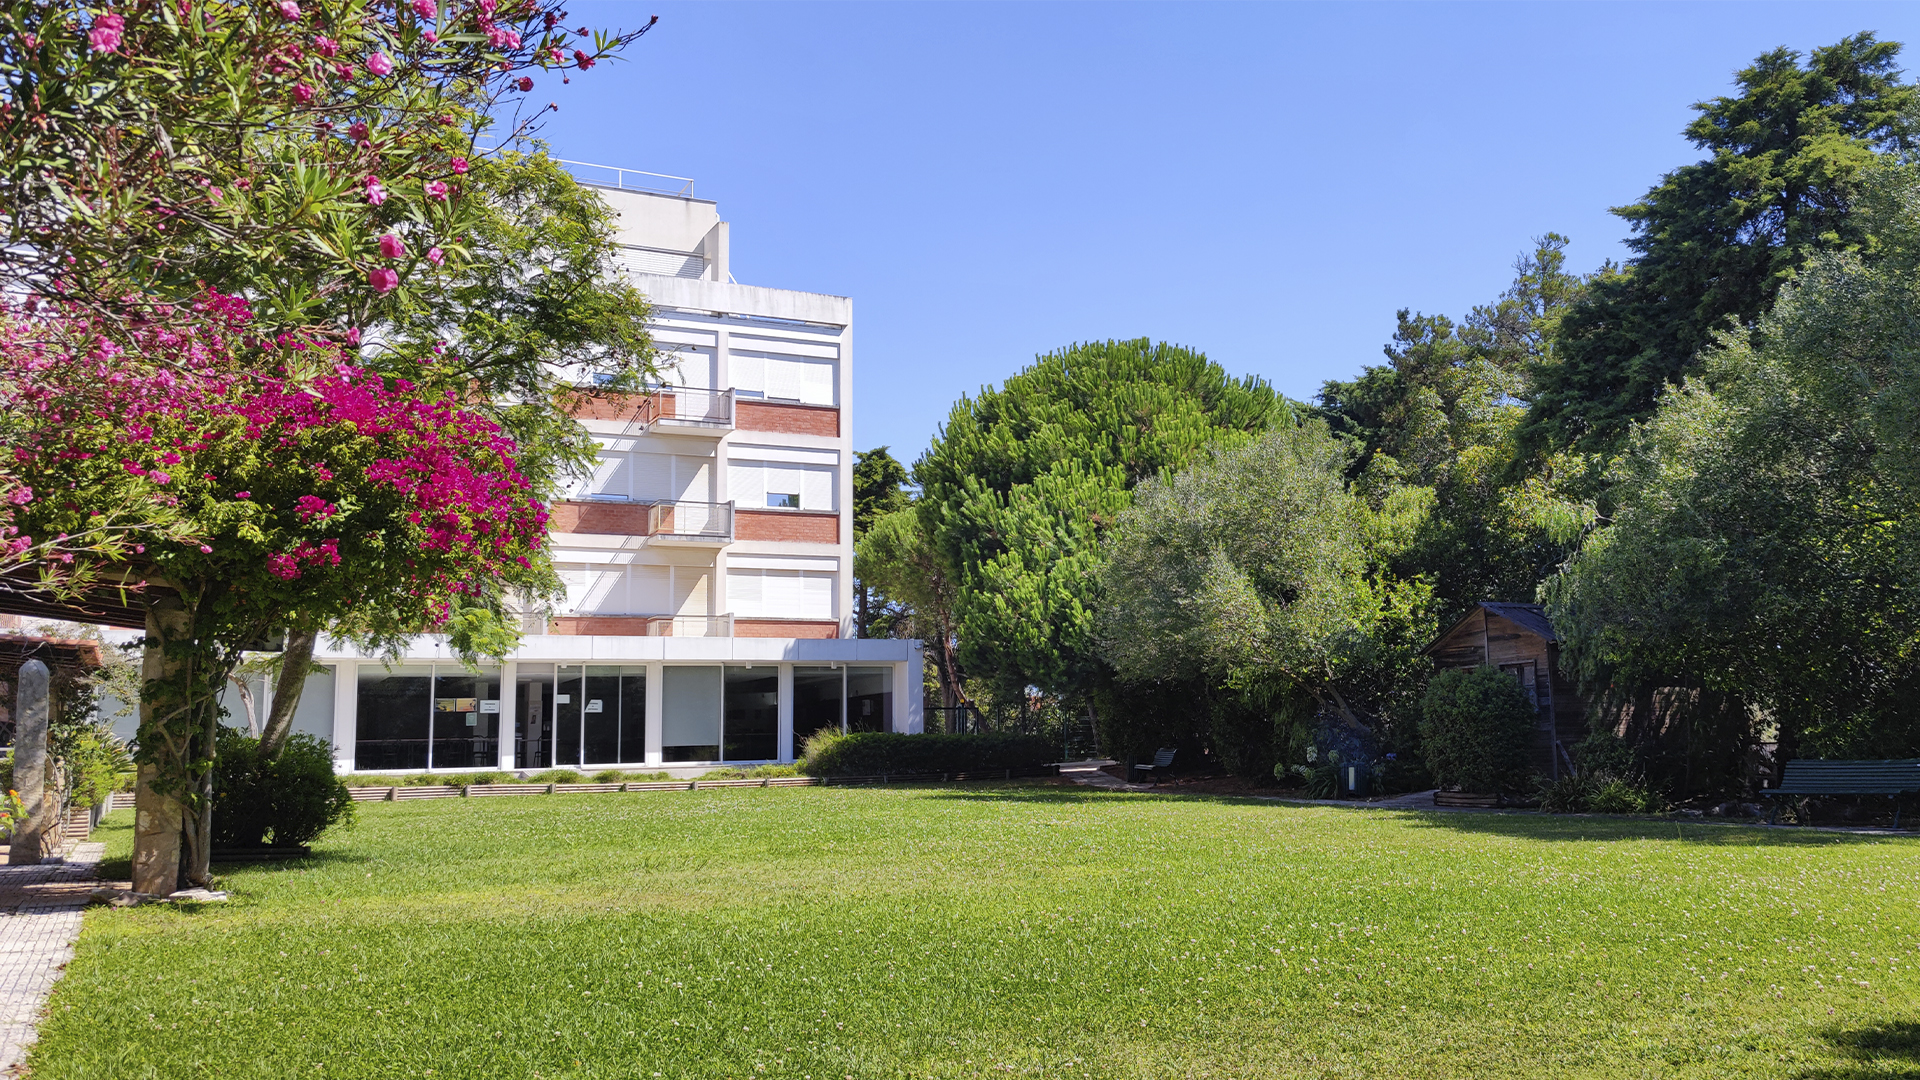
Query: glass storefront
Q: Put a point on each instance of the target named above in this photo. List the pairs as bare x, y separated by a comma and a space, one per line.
585, 716
427, 716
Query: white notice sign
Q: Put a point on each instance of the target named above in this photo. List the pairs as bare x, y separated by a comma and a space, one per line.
593, 704
491, 705
563, 699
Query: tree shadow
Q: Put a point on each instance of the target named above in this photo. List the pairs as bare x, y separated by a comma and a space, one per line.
1889, 1050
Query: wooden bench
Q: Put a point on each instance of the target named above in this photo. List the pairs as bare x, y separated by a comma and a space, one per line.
1162, 765
1816, 777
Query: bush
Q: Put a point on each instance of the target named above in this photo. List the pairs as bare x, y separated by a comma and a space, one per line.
870, 753
557, 776
1617, 796
1475, 729
287, 801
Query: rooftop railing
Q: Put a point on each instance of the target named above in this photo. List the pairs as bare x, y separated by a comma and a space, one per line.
614, 176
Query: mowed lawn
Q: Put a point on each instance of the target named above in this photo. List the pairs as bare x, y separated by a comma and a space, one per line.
1010, 930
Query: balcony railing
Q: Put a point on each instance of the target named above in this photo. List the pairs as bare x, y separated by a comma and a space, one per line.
690, 626
678, 407
691, 522
630, 179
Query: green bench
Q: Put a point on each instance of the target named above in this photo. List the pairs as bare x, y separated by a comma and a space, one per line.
1816, 777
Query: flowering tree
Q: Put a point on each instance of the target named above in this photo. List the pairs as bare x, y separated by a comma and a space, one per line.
340, 498
318, 160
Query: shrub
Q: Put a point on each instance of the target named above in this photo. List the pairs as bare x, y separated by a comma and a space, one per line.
870, 753
1475, 728
290, 800
472, 779
1617, 796
557, 776
609, 776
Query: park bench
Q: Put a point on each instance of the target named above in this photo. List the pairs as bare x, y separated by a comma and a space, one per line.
1815, 777
1162, 765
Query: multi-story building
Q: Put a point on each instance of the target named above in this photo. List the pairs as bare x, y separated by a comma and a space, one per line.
708, 560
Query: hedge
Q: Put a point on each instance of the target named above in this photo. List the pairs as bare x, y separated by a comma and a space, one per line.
872, 753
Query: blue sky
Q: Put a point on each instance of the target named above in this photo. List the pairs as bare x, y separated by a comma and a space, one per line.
1265, 183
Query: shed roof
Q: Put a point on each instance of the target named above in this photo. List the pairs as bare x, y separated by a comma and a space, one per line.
1529, 617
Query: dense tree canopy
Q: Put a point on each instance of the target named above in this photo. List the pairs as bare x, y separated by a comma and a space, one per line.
1025, 478
1717, 239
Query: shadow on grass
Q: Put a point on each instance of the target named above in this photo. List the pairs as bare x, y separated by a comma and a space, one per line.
1530, 825
314, 861
1884, 1051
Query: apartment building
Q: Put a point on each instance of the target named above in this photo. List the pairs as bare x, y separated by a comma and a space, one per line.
708, 559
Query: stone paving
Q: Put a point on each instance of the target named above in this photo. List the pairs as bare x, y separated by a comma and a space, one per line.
39, 920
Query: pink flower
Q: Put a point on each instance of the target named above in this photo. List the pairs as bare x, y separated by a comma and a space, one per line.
375, 193
139, 549
353, 335
283, 567
391, 248
326, 46
20, 496
159, 477
525, 84
289, 10
357, 130
425, 9
243, 494
436, 256
302, 93
437, 190
432, 38
383, 280
105, 33
205, 550
379, 64
581, 58
458, 165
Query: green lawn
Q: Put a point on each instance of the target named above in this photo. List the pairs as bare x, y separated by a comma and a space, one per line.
971, 931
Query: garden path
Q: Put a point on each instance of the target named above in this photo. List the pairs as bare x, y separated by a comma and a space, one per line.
39, 919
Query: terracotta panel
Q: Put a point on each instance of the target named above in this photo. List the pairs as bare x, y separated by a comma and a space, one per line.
610, 625
617, 519
784, 628
786, 525
786, 419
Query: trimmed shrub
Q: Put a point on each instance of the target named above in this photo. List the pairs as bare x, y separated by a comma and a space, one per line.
1475, 729
870, 753
288, 801
557, 776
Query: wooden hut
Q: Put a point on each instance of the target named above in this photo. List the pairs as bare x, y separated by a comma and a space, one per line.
1518, 639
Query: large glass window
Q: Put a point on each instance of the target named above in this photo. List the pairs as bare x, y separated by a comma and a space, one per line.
466, 719
533, 716
610, 696
690, 726
819, 696
394, 717
633, 714
753, 714
567, 703
869, 699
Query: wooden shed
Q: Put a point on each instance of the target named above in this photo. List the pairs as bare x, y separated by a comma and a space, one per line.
1518, 639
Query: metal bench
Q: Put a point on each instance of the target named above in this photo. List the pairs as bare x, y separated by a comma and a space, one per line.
1162, 765
1816, 777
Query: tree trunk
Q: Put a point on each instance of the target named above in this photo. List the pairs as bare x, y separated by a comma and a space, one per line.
295, 663
158, 817
200, 839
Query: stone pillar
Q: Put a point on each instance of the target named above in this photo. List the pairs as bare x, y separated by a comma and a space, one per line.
30, 766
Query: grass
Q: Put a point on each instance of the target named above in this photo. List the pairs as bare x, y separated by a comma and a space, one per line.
822, 933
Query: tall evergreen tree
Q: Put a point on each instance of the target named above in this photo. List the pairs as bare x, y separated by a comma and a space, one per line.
1718, 238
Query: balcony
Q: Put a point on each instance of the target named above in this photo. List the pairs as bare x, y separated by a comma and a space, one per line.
686, 411
690, 524
690, 626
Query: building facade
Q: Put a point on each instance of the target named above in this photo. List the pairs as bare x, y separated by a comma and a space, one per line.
708, 560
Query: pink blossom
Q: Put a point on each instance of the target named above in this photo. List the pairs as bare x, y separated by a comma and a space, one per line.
104, 36
302, 93
289, 10
326, 46
425, 9
357, 130
243, 494
436, 256
458, 165
432, 38
437, 190
383, 280
139, 549
379, 64
205, 550
525, 84
581, 58
391, 247
159, 477
310, 507
376, 194
283, 566
20, 496
353, 335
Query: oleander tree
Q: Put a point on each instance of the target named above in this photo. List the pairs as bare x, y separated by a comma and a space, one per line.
229, 226
345, 496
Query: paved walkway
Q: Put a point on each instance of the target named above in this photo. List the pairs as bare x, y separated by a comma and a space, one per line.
39, 920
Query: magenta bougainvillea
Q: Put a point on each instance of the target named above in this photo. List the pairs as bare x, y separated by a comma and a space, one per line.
307, 482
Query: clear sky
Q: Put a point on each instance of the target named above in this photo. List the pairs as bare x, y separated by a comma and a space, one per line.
1267, 183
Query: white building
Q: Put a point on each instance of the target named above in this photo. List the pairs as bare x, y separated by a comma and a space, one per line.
708, 560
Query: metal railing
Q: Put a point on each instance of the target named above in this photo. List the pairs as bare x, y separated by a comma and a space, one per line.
690, 626
682, 405
691, 520
614, 176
